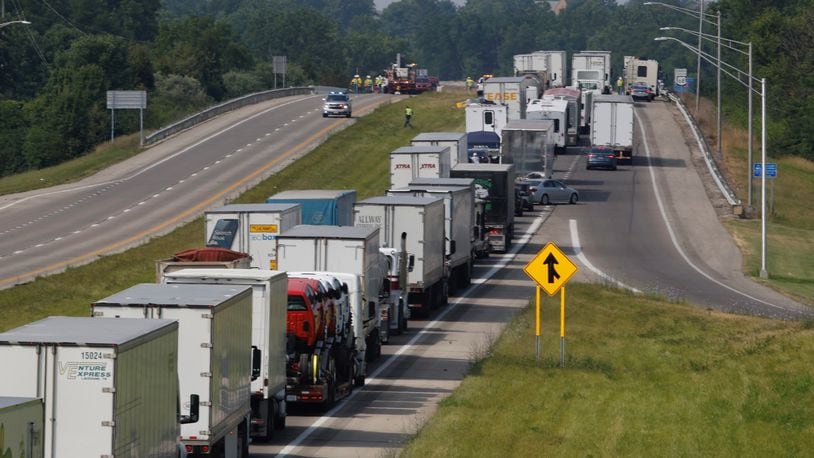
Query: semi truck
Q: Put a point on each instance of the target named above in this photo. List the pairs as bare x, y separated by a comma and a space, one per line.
512, 91
332, 207
557, 111
410, 162
479, 242
551, 62
591, 70
269, 306
22, 421
347, 250
421, 219
612, 125
529, 145
459, 215
215, 358
250, 228
456, 141
494, 188
106, 386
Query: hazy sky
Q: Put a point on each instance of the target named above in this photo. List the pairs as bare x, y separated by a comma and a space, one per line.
381, 4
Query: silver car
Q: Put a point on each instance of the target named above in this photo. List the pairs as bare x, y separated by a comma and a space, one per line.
552, 191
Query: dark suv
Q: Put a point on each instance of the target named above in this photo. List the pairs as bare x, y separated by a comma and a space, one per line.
523, 199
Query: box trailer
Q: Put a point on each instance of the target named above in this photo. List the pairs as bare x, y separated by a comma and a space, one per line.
215, 357
108, 387
269, 306
22, 421
529, 145
612, 125
456, 141
514, 92
591, 70
459, 216
485, 117
410, 162
343, 249
574, 99
422, 220
494, 189
556, 111
250, 228
332, 207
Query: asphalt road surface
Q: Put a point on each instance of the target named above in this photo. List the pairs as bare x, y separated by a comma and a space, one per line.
44, 231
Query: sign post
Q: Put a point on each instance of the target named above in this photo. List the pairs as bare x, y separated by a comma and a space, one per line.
126, 100
551, 269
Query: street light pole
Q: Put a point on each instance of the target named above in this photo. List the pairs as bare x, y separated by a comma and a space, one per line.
698, 71
749, 164
720, 114
13, 22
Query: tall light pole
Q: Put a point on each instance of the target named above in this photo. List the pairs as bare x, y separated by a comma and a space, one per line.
738, 46
13, 22
737, 73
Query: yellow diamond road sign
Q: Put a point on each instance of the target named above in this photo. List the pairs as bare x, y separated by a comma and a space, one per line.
550, 268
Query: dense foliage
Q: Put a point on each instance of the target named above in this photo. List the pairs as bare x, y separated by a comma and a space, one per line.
187, 54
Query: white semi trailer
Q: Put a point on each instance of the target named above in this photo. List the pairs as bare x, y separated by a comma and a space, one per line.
107, 386
456, 141
215, 357
269, 307
612, 125
410, 162
22, 420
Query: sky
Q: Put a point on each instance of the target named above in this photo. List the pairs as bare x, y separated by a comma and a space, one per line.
381, 4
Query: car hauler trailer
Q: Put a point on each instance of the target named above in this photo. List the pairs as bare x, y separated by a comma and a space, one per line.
215, 357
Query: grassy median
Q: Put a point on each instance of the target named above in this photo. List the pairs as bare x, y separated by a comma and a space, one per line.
643, 377
355, 158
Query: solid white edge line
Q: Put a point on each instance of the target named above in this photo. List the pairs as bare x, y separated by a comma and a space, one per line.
476, 283
572, 224
673, 237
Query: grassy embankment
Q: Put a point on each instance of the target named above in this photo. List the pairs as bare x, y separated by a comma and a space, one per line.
790, 224
355, 158
643, 377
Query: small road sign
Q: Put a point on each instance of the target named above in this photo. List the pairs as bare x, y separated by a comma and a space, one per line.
771, 169
550, 268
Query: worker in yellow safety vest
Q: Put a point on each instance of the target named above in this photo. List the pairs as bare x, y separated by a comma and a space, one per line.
620, 86
368, 84
470, 83
356, 83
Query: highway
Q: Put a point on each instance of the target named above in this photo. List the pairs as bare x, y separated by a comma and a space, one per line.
45, 231
649, 227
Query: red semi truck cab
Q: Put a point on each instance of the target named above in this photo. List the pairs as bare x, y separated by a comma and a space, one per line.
305, 319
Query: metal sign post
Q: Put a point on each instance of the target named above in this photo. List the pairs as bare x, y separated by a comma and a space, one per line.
126, 100
551, 269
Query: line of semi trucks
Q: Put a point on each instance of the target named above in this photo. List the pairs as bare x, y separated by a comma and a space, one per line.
528, 118
287, 302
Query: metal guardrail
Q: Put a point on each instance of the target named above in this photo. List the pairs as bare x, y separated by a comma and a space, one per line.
224, 107
702, 145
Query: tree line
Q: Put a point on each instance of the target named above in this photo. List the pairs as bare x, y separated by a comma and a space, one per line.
188, 54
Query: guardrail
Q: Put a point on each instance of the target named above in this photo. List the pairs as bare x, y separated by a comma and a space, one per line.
224, 107
730, 196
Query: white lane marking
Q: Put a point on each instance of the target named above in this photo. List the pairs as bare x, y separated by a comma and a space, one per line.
584, 260
673, 237
156, 164
504, 261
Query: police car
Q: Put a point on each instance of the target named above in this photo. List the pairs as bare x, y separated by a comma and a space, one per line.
336, 104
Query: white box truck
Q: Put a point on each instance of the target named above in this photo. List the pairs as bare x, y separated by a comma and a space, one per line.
215, 357
422, 220
108, 386
574, 99
21, 421
269, 306
612, 125
250, 228
556, 111
343, 249
410, 162
591, 70
486, 117
459, 218
456, 141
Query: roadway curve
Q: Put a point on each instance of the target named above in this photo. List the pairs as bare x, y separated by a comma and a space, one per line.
44, 231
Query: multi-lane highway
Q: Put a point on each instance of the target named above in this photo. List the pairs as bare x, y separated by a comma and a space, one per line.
45, 231
649, 227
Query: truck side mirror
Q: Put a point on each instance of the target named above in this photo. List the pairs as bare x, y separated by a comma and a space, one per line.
411, 263
345, 288
194, 404
257, 360
452, 247
371, 309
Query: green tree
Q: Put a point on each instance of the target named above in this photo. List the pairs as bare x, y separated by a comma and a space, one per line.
12, 134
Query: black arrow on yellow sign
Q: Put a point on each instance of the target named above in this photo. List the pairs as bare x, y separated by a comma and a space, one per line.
550, 262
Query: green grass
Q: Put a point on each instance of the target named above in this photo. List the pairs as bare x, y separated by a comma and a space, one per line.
103, 156
355, 158
643, 377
